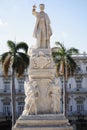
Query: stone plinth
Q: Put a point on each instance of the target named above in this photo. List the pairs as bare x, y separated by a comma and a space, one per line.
42, 102
43, 122
42, 90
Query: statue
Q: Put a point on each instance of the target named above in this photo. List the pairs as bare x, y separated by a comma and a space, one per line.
42, 31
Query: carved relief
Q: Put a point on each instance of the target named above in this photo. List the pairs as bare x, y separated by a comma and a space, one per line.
32, 94
54, 93
41, 61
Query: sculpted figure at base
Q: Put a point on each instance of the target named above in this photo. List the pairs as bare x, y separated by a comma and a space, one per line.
55, 93
42, 31
32, 93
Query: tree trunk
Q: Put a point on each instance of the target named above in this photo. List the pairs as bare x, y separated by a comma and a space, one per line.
65, 75
65, 89
63, 95
13, 98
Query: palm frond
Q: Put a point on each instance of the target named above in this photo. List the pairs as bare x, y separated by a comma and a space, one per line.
20, 71
19, 65
11, 45
6, 64
3, 56
65, 64
71, 66
72, 51
56, 54
25, 58
60, 45
23, 46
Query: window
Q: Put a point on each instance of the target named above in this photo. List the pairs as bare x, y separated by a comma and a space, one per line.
69, 85
70, 108
6, 86
6, 108
21, 85
20, 107
79, 84
80, 106
78, 69
86, 68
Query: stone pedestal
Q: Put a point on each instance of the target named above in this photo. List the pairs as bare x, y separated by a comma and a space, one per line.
43, 122
42, 102
42, 90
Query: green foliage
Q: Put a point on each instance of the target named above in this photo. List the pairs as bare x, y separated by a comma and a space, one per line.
17, 61
23, 46
14, 58
63, 59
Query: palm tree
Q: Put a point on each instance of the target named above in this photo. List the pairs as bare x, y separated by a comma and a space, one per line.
17, 60
66, 66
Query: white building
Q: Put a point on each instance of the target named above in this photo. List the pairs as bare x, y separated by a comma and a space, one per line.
77, 93
77, 88
5, 95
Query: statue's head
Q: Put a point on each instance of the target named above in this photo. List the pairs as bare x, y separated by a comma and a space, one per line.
42, 6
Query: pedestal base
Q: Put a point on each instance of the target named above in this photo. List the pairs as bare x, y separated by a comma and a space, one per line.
43, 122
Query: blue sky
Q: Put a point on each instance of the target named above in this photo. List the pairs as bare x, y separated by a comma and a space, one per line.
68, 22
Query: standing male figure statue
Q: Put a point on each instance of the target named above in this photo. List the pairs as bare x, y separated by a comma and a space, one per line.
42, 31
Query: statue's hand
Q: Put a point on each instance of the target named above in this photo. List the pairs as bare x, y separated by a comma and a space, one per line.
34, 6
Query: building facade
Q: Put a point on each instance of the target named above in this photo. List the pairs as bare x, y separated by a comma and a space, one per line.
76, 93
5, 94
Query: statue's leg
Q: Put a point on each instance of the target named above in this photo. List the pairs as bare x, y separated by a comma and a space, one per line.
38, 39
35, 109
43, 39
29, 111
48, 43
38, 43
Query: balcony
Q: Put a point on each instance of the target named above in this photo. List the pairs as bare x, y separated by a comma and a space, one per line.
77, 90
80, 72
19, 91
3, 91
7, 92
77, 113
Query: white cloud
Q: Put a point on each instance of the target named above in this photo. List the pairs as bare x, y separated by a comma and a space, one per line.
3, 24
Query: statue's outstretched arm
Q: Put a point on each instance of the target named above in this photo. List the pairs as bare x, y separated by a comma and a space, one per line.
34, 10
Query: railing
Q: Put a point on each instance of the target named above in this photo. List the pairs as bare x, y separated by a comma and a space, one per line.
5, 116
76, 90
3, 91
81, 72
77, 113
19, 91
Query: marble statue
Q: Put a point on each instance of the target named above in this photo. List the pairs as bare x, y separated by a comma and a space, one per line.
42, 31
42, 91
